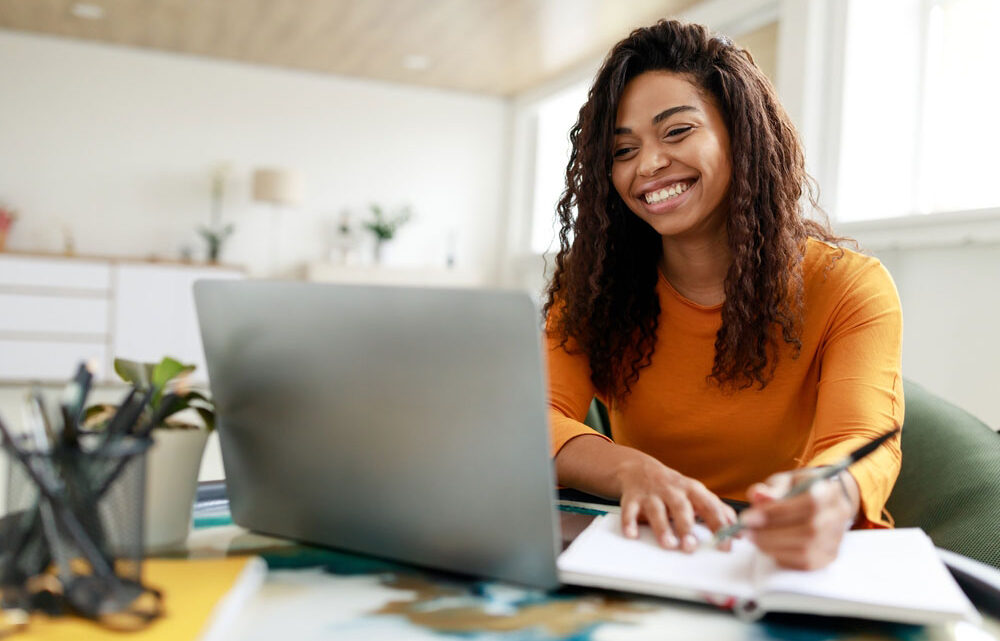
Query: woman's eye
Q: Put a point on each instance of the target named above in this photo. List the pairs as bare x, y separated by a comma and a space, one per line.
678, 131
624, 151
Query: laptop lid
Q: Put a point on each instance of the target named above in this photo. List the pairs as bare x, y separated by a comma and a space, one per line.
407, 423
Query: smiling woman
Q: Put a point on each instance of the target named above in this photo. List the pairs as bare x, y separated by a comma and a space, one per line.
736, 344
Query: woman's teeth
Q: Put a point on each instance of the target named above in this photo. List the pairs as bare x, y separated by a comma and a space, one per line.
673, 190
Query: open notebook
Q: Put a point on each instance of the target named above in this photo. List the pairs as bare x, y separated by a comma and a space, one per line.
890, 575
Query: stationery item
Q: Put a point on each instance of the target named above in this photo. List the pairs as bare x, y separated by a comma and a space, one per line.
979, 581
98, 593
74, 395
891, 575
65, 508
126, 415
819, 474
36, 407
43, 438
201, 595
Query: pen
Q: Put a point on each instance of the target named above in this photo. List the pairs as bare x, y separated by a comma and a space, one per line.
35, 416
822, 474
74, 396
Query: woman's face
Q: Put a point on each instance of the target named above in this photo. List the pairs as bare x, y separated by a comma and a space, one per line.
671, 161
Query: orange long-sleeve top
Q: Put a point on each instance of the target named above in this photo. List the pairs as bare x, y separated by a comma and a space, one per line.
843, 389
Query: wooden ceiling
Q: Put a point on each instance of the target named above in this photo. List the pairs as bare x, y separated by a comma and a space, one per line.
498, 47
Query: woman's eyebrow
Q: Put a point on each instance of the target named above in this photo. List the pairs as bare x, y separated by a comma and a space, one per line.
666, 113
660, 117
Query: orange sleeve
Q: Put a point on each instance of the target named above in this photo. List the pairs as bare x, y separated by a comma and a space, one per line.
570, 391
860, 390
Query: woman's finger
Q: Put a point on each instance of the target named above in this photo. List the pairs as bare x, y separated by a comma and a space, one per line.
711, 509
770, 540
630, 515
656, 515
682, 517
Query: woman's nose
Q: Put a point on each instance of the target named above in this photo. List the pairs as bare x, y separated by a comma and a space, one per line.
652, 161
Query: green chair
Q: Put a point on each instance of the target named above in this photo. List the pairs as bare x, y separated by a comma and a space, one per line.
597, 418
949, 483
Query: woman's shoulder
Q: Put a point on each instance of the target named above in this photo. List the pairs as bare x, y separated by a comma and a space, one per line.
836, 264
834, 268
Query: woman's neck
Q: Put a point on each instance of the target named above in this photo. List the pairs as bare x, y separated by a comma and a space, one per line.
697, 267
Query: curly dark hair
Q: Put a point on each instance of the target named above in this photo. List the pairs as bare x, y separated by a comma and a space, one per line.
602, 298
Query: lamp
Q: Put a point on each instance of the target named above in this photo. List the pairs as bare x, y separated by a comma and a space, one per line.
279, 187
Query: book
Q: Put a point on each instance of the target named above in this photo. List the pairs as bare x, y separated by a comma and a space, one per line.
889, 575
200, 599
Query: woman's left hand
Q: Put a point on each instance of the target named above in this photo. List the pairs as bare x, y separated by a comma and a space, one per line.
804, 531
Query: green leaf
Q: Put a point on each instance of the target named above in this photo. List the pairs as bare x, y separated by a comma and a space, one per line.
177, 404
168, 369
208, 416
195, 394
134, 372
164, 371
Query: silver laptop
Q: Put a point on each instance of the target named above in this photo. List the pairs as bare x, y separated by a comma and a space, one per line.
400, 422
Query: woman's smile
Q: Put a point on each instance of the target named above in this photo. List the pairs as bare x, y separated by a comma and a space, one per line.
666, 196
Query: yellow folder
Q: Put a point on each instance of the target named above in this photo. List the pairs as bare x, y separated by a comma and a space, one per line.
192, 588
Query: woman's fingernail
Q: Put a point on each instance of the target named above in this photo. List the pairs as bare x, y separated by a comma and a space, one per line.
631, 531
690, 543
752, 518
670, 541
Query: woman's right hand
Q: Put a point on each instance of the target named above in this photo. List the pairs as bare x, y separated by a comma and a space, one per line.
649, 491
653, 493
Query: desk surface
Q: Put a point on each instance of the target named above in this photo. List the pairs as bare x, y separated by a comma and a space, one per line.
313, 593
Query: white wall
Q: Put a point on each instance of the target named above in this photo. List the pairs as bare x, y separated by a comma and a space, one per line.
118, 146
948, 291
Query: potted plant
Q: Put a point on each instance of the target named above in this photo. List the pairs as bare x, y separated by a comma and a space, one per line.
7, 218
385, 226
215, 234
173, 461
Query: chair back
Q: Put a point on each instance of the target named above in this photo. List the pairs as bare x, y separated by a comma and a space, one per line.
949, 483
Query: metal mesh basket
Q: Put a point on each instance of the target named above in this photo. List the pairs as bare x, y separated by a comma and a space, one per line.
86, 531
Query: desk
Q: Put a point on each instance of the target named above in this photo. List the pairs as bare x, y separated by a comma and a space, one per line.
312, 593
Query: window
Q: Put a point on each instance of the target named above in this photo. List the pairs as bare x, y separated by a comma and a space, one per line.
960, 134
554, 117
919, 130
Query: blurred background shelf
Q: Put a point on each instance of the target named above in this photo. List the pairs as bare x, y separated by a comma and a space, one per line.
379, 275
58, 310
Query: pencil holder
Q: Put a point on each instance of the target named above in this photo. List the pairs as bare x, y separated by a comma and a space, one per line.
72, 540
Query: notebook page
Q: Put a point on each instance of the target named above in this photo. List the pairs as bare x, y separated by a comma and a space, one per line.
641, 565
875, 568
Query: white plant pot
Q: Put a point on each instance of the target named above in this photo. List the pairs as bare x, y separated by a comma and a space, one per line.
172, 466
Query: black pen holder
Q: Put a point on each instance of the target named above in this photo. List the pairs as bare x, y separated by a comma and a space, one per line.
72, 540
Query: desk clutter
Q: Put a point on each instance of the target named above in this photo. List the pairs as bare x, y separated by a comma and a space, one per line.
72, 542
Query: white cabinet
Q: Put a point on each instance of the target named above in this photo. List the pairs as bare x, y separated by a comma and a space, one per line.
54, 313
33, 359
155, 315
74, 275
57, 311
